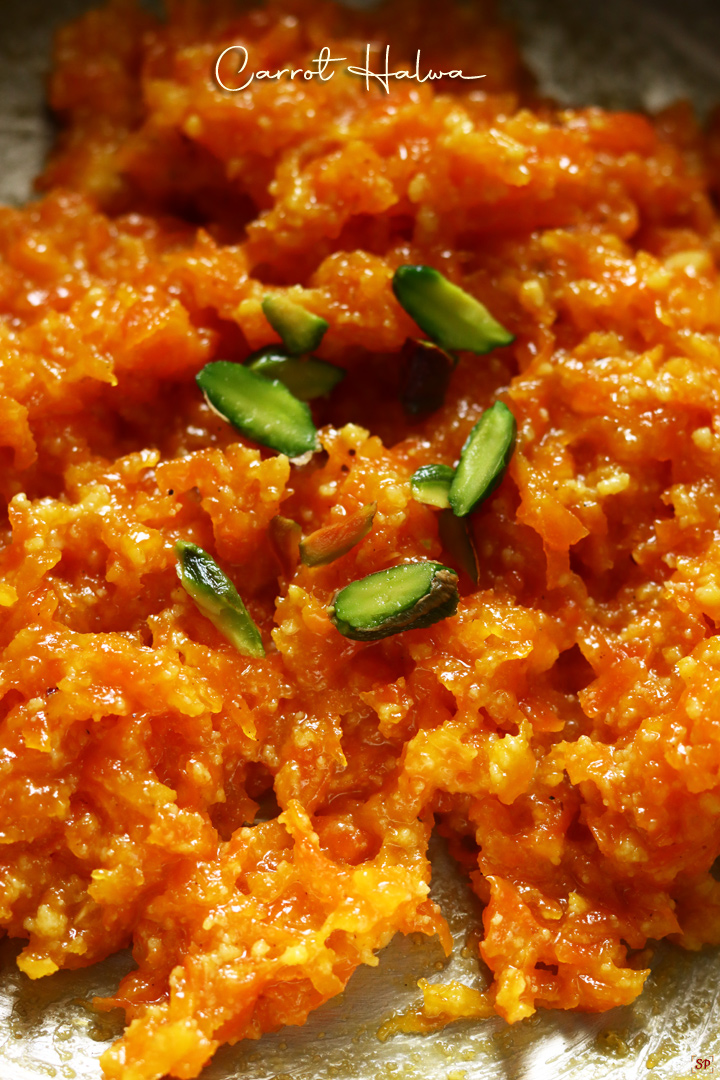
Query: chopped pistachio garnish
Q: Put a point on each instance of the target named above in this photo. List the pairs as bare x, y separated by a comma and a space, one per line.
263, 409
458, 542
406, 597
285, 535
427, 378
300, 330
431, 485
329, 543
453, 318
217, 598
484, 459
305, 379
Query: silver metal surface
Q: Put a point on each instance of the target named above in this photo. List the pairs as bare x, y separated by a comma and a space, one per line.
613, 52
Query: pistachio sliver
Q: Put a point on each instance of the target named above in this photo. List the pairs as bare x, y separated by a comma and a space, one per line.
458, 542
285, 534
300, 330
217, 598
406, 597
263, 409
305, 379
329, 543
453, 318
484, 459
427, 377
431, 485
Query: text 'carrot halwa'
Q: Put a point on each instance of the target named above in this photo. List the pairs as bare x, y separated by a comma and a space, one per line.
562, 729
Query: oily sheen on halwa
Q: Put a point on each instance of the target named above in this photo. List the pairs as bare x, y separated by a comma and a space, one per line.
562, 729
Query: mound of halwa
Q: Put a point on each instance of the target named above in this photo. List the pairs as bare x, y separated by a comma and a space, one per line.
562, 729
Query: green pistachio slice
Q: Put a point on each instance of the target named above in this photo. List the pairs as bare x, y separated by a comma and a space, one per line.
458, 542
427, 378
453, 318
407, 597
300, 330
332, 541
285, 535
263, 409
305, 379
484, 459
431, 485
217, 598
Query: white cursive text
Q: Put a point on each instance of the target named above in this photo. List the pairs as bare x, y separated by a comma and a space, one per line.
322, 70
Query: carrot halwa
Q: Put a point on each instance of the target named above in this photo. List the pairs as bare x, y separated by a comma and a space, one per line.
562, 729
